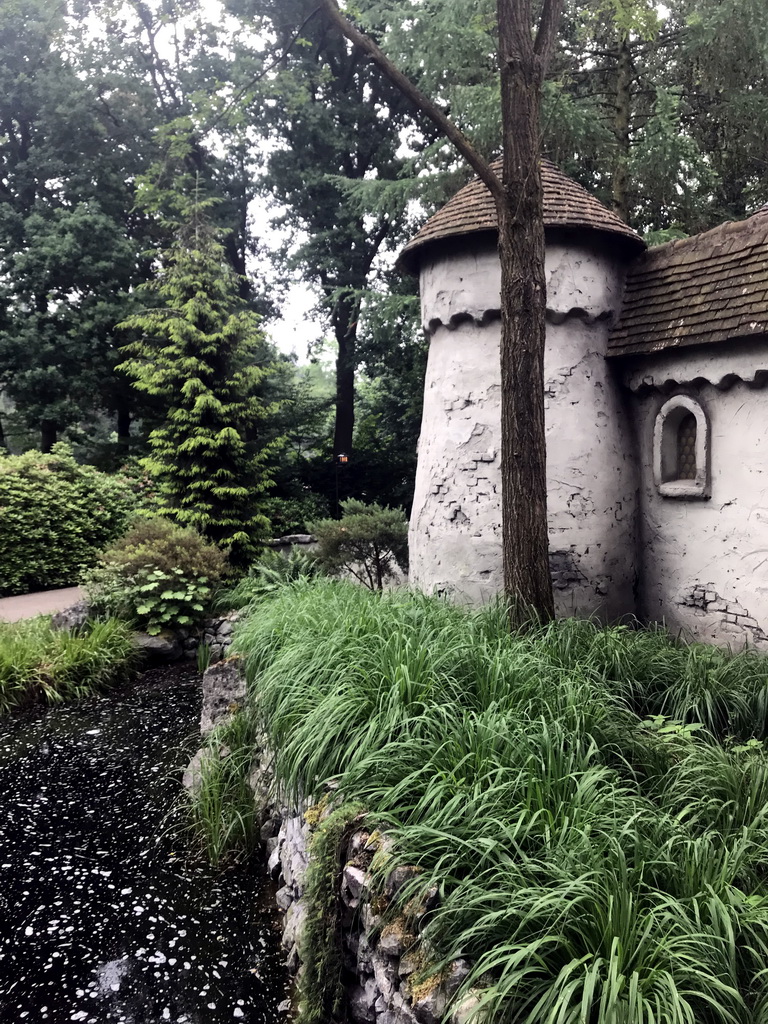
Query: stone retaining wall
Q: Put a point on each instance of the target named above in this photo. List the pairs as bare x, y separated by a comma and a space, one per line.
381, 959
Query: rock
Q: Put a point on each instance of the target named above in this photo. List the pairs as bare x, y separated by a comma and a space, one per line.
395, 939
458, 973
362, 1001
468, 1008
371, 921
269, 830
352, 884
385, 974
284, 897
294, 538
73, 617
285, 1006
292, 961
273, 864
293, 927
409, 962
400, 876
430, 1000
190, 780
225, 628
358, 843
398, 1015
158, 649
217, 652
432, 997
364, 955
223, 687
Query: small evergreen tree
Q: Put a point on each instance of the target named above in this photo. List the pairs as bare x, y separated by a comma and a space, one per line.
197, 353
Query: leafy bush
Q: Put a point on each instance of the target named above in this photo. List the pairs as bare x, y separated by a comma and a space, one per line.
369, 542
38, 663
159, 575
596, 858
56, 515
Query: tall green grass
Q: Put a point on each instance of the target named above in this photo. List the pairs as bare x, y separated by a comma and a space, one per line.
589, 803
41, 664
218, 820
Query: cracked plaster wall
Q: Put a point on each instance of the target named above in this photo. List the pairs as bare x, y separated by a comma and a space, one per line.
705, 562
455, 535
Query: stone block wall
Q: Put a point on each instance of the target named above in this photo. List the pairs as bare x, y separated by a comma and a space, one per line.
381, 963
383, 984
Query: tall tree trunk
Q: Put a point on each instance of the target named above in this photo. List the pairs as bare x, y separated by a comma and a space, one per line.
49, 431
525, 539
621, 129
345, 331
3, 442
123, 424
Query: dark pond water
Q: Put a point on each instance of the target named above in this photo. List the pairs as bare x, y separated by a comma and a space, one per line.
101, 919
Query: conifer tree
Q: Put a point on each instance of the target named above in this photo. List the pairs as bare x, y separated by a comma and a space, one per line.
196, 351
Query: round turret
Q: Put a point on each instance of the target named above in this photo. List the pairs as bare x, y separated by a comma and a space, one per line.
455, 535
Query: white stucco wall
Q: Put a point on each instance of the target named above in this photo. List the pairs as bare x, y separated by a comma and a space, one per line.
704, 566
455, 545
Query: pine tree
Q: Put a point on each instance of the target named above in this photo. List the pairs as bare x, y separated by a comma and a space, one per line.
196, 351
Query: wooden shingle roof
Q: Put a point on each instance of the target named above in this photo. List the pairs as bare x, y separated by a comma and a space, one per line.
472, 210
709, 288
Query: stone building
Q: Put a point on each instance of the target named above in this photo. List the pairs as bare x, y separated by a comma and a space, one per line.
657, 415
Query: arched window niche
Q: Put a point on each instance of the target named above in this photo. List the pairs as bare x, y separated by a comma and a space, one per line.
681, 449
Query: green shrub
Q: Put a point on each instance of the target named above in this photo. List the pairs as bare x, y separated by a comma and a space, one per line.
158, 575
55, 516
597, 858
38, 663
369, 542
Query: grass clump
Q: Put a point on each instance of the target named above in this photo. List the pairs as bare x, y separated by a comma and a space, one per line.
220, 820
588, 803
41, 664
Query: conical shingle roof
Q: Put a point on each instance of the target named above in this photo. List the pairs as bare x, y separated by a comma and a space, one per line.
472, 210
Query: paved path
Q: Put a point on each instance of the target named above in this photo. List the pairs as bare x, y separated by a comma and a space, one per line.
47, 601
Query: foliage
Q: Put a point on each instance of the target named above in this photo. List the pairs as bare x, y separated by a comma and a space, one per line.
88, 92
56, 515
197, 353
333, 120
594, 860
159, 575
369, 541
269, 575
41, 664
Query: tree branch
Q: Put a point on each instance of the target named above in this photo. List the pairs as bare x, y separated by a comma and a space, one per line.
454, 134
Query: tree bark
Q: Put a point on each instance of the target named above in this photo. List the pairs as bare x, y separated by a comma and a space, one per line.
48, 435
525, 539
346, 338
